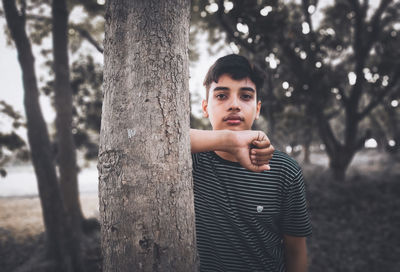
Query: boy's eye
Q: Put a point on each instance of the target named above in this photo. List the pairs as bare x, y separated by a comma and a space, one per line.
220, 96
247, 96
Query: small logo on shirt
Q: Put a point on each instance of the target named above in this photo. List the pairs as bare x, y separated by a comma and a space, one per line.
260, 209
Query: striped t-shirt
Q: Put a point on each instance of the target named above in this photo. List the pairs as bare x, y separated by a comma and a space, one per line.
241, 216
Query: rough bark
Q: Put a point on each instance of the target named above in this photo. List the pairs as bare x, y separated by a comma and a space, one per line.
66, 155
145, 183
38, 138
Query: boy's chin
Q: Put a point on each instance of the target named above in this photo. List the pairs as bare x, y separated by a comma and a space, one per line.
233, 128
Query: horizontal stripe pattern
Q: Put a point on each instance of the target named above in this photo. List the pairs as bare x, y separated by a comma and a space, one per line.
241, 216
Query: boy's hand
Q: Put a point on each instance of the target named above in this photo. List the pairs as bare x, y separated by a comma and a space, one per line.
261, 152
253, 150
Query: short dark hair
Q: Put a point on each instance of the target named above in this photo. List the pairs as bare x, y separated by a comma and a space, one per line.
237, 67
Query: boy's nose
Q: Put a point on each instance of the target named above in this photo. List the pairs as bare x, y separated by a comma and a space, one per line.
234, 105
234, 108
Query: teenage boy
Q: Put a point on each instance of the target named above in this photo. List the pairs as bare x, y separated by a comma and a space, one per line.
250, 202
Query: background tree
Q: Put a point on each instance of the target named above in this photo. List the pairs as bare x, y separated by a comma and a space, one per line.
296, 129
146, 198
86, 73
41, 25
66, 155
340, 67
59, 245
67, 134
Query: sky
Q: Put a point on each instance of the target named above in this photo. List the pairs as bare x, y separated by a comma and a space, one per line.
10, 75
11, 81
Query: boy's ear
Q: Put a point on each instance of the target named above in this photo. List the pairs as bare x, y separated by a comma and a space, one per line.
204, 105
258, 109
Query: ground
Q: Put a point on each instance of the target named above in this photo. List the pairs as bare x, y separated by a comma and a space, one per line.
355, 222
21, 233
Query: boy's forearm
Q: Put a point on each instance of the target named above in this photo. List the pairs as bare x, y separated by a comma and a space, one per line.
210, 140
296, 262
239, 145
295, 254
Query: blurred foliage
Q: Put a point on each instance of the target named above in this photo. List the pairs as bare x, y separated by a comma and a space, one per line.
336, 64
313, 58
86, 82
193, 50
86, 26
12, 146
307, 49
199, 123
86, 73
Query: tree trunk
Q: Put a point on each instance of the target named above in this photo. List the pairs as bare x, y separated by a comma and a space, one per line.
145, 183
66, 156
393, 124
51, 201
339, 161
306, 150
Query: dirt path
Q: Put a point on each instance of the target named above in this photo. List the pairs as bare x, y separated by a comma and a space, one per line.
22, 216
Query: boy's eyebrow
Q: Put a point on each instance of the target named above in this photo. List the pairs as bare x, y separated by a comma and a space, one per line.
221, 88
249, 89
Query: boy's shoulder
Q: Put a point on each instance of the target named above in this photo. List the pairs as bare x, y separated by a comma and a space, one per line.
286, 165
282, 159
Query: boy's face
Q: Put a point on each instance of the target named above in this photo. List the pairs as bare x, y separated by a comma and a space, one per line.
232, 104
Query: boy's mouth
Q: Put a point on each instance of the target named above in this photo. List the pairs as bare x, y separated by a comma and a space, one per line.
233, 119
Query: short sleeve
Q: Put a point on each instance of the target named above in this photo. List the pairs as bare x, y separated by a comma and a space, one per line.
295, 220
195, 160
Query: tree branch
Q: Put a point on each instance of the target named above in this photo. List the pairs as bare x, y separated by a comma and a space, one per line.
305, 5
376, 22
362, 45
326, 133
23, 12
360, 52
332, 114
312, 37
375, 102
83, 32
344, 99
16, 25
361, 142
229, 30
